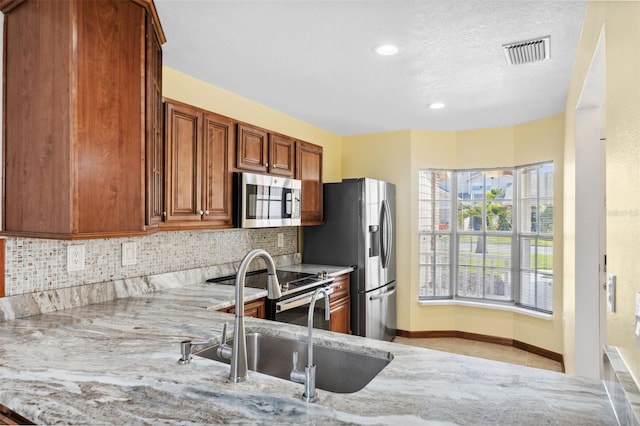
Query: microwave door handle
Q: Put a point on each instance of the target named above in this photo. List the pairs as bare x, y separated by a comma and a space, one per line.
288, 198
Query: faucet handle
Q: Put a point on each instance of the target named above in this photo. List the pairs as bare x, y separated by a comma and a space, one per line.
223, 339
224, 350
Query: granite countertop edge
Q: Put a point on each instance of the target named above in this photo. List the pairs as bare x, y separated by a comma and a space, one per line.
116, 362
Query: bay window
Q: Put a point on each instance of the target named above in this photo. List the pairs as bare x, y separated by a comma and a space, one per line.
487, 235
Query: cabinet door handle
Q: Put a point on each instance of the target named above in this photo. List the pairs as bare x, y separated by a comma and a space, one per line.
206, 212
201, 212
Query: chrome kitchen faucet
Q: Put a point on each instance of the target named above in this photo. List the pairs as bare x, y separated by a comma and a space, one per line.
238, 352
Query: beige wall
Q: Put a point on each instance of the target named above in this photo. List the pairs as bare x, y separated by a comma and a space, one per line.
397, 156
538, 141
184, 88
621, 23
385, 156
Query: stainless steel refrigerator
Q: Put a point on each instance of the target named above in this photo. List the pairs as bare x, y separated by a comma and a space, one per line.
359, 216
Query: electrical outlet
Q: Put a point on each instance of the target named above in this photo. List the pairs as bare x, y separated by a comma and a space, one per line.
280, 240
128, 254
75, 258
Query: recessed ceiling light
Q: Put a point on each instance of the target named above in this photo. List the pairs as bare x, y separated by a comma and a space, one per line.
387, 50
437, 105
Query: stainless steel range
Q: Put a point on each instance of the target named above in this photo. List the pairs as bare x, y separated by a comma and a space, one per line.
297, 288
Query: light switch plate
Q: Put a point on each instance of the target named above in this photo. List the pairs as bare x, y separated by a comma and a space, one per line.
280, 240
128, 254
75, 258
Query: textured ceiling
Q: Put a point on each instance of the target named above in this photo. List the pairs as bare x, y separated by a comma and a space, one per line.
315, 60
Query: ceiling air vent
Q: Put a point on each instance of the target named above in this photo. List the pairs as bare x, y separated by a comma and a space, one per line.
526, 52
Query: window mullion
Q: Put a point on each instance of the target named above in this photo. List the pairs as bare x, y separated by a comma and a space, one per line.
515, 239
534, 239
453, 244
432, 235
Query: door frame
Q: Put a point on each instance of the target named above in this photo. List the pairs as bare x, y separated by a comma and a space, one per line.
590, 209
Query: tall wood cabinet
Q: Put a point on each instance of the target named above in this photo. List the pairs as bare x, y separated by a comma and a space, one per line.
82, 81
154, 128
309, 171
199, 149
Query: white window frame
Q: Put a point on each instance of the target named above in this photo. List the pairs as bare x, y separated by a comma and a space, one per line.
516, 235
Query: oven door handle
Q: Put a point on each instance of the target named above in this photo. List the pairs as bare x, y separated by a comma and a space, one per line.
297, 301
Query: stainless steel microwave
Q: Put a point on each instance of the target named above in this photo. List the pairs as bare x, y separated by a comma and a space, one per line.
265, 201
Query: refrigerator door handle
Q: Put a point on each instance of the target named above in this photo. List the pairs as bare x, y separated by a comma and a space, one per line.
387, 236
383, 295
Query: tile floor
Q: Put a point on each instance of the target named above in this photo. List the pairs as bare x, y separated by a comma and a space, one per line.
483, 350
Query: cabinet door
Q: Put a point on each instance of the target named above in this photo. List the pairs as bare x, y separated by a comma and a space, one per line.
341, 316
218, 136
109, 146
79, 94
252, 149
340, 287
340, 301
309, 171
281, 155
182, 137
254, 309
154, 137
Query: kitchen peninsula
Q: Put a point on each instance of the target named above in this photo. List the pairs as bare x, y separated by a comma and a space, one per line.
115, 362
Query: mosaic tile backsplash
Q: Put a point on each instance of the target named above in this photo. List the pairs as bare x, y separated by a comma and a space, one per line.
34, 265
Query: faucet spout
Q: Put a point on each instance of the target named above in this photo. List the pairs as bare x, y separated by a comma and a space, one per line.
327, 314
308, 377
239, 349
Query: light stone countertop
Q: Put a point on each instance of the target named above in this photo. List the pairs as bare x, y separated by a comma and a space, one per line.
116, 363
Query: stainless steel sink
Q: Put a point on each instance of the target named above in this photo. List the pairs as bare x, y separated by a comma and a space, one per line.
337, 370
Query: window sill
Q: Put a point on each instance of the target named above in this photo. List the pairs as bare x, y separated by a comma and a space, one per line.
484, 305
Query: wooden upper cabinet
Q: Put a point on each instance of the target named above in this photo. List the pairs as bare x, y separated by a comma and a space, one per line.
154, 127
77, 99
282, 155
217, 176
262, 152
183, 133
199, 176
309, 171
252, 149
